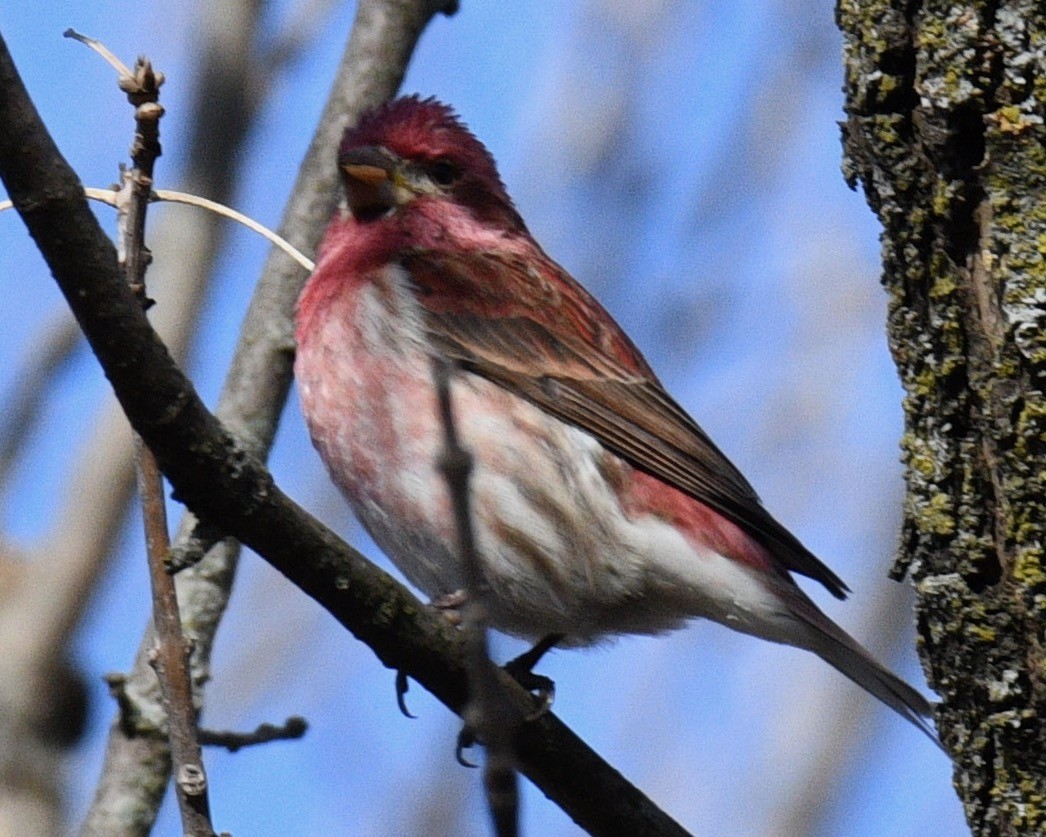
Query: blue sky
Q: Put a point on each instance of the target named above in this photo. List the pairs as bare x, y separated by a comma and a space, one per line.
682, 160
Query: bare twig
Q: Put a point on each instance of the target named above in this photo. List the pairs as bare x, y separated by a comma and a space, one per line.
489, 714
171, 196
172, 651
102, 50
225, 102
294, 727
143, 91
172, 658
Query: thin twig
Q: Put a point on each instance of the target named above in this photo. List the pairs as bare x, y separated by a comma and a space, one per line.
171, 196
101, 49
172, 651
223, 107
172, 656
490, 715
294, 727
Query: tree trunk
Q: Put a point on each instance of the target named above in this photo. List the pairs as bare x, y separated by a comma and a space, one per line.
945, 131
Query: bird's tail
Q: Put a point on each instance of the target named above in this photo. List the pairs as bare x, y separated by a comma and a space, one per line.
841, 651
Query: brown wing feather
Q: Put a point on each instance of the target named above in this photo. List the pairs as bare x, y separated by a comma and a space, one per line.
589, 374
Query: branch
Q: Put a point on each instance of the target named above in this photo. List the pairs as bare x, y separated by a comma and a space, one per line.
214, 475
171, 659
490, 714
383, 37
293, 727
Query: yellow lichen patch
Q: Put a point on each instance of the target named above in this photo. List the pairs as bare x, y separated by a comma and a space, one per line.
1010, 120
984, 633
1028, 569
936, 516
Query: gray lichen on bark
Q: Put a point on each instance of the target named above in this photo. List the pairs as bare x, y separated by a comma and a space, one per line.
946, 133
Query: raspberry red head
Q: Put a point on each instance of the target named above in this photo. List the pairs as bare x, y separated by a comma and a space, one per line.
429, 133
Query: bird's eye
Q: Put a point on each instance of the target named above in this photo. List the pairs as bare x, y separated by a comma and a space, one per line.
444, 172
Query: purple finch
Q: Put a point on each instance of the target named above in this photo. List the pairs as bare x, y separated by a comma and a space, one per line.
600, 507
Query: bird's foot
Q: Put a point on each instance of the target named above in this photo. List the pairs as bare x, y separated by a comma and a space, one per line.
521, 670
451, 604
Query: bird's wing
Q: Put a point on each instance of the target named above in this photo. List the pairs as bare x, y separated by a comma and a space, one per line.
525, 324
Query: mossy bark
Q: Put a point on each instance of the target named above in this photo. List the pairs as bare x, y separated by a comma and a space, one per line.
946, 132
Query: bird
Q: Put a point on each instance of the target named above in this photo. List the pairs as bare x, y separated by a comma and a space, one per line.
600, 507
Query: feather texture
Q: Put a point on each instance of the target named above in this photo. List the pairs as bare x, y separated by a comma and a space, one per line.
600, 506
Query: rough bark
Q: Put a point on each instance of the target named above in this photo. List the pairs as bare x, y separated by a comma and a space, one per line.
945, 131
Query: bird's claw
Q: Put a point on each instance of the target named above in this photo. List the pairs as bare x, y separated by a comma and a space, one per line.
402, 685
541, 687
466, 739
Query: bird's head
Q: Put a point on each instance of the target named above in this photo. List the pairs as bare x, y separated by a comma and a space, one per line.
413, 148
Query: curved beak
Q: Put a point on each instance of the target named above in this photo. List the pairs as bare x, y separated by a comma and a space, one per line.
369, 174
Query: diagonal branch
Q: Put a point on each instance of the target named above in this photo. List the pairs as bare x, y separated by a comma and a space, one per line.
383, 37
213, 474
